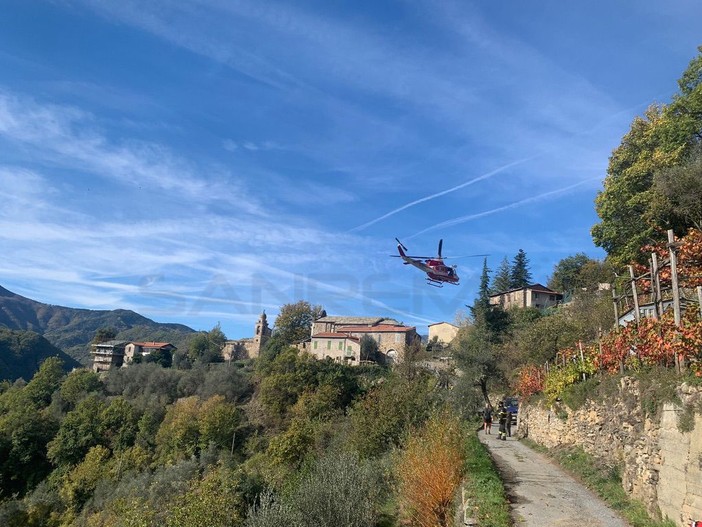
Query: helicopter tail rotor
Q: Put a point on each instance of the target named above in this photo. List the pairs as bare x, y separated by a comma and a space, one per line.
400, 244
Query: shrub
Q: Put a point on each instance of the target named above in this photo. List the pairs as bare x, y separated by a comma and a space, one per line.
430, 470
340, 491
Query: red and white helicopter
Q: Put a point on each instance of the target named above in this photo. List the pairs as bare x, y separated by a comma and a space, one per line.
438, 273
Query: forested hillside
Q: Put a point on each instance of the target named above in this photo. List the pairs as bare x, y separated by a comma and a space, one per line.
21, 353
288, 440
72, 329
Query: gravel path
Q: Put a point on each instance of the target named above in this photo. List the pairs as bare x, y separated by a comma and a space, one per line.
541, 494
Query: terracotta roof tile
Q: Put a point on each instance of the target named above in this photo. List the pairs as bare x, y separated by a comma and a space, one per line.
381, 328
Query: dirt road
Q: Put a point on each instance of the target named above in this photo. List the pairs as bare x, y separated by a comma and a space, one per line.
541, 494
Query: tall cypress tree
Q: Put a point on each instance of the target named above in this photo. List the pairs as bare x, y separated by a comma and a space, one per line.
520, 276
501, 282
482, 303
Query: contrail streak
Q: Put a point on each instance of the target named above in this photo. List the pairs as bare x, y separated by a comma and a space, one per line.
463, 219
439, 194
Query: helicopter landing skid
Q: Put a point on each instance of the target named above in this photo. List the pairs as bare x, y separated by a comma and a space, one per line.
435, 283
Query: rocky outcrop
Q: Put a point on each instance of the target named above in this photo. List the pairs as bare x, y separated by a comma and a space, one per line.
661, 466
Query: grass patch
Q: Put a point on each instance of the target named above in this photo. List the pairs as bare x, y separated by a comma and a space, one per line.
576, 395
657, 385
604, 480
485, 492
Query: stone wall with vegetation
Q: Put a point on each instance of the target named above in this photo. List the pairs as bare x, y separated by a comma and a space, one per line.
657, 446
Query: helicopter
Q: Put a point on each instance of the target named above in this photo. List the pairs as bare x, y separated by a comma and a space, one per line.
438, 273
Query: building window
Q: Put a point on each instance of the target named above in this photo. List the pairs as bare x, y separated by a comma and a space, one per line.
536, 295
329, 344
341, 345
315, 344
398, 338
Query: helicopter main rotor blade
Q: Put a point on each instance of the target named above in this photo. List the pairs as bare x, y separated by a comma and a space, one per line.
441, 243
465, 256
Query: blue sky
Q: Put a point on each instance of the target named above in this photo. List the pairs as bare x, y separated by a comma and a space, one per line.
201, 160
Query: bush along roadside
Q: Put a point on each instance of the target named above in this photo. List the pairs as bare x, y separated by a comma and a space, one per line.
485, 498
602, 479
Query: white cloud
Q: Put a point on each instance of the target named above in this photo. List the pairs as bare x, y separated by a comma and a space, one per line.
513, 205
70, 137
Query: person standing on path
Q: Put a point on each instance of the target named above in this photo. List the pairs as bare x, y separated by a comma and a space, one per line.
487, 418
502, 419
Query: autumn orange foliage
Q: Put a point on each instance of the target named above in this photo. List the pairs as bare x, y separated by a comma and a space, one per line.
689, 262
530, 380
654, 342
649, 342
429, 472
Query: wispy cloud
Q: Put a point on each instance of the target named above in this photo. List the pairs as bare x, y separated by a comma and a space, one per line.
513, 205
439, 194
70, 137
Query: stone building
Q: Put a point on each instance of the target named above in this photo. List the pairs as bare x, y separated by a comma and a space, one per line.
134, 350
329, 324
339, 337
108, 354
534, 295
443, 331
249, 348
341, 347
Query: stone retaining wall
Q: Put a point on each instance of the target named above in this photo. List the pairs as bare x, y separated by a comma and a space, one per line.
661, 466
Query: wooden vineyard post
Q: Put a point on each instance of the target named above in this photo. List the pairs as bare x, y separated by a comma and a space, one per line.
672, 248
657, 281
616, 306
654, 293
637, 313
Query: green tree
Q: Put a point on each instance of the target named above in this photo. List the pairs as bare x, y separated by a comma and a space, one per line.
81, 430
579, 272
501, 281
162, 357
482, 302
340, 491
679, 189
629, 206
103, 335
178, 436
384, 416
78, 385
217, 422
519, 275
45, 382
79, 484
369, 349
121, 422
273, 512
475, 353
206, 346
294, 321
213, 501
291, 374
25, 430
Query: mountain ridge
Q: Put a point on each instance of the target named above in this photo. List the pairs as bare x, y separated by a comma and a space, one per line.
72, 329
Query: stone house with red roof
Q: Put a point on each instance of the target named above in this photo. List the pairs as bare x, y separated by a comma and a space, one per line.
340, 337
144, 349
